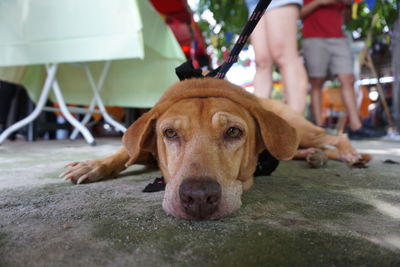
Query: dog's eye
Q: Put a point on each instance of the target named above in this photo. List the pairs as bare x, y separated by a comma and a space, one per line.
170, 133
234, 132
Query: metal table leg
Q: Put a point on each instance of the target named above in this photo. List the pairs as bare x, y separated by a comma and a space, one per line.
68, 116
51, 72
50, 83
97, 100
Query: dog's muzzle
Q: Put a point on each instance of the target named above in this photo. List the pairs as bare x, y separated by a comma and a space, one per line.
200, 197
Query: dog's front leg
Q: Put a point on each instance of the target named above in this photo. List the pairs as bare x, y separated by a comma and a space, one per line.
98, 169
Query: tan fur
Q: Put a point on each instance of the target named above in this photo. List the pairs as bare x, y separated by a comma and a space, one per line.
201, 111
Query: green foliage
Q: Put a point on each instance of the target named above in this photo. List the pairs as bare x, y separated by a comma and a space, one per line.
230, 17
386, 10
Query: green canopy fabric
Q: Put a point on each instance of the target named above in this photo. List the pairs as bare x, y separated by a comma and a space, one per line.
130, 33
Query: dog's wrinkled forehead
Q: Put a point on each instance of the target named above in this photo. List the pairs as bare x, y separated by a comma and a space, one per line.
204, 87
279, 137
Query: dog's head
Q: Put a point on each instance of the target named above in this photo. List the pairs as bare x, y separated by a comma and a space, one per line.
206, 135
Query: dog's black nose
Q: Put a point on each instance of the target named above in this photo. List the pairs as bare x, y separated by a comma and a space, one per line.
200, 197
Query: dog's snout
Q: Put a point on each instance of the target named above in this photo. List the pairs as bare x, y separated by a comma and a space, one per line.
200, 197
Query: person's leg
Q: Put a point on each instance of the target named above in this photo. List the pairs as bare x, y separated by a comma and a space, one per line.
316, 99
356, 131
342, 67
316, 57
349, 99
263, 76
281, 29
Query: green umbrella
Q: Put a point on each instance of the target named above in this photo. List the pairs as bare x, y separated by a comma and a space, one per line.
129, 33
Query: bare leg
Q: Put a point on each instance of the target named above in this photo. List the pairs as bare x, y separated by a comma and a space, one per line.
316, 99
263, 76
281, 29
349, 100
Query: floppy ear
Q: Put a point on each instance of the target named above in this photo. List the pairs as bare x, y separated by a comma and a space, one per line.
140, 137
278, 137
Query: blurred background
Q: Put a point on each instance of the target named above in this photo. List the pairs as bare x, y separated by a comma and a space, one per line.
129, 61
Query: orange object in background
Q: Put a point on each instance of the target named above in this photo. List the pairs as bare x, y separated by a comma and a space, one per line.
117, 113
332, 99
365, 102
58, 113
332, 102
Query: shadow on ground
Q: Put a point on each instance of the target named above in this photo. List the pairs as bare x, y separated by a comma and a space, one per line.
334, 216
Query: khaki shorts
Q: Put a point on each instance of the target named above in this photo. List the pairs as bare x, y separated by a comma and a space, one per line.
327, 56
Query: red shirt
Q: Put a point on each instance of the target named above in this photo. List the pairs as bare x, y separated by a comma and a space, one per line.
324, 21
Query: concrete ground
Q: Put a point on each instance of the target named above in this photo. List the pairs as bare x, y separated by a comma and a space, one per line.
335, 216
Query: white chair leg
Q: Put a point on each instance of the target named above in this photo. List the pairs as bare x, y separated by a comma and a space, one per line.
85, 119
68, 116
96, 89
92, 105
97, 97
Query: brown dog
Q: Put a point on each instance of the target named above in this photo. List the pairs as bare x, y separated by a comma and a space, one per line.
206, 135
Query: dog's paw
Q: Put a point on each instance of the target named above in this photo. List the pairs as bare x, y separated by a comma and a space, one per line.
346, 152
349, 157
84, 171
362, 162
316, 158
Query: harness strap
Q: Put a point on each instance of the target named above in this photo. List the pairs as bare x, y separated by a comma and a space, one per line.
186, 70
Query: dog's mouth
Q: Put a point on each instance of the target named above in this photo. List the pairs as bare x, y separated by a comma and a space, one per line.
202, 198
